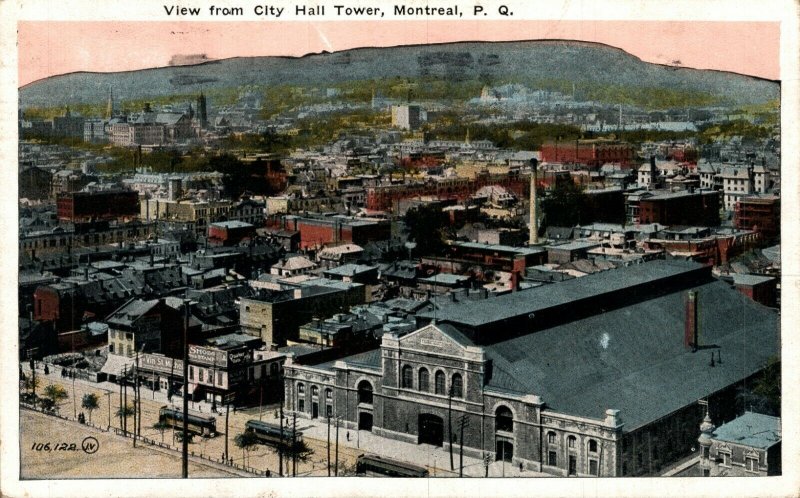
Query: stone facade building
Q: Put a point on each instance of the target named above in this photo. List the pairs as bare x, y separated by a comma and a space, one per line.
576, 378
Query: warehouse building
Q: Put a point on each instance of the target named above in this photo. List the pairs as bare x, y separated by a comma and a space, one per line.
597, 376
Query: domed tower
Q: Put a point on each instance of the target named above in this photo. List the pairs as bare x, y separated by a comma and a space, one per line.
706, 432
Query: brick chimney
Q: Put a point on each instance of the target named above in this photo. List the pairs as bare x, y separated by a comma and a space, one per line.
690, 334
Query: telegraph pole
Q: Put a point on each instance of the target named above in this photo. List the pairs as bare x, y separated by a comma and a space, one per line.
450, 423
120, 399
125, 400
336, 468
108, 394
463, 423
31, 353
329, 446
227, 414
280, 444
185, 439
74, 403
294, 443
138, 397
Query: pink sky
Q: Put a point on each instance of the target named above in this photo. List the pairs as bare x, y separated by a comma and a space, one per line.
48, 48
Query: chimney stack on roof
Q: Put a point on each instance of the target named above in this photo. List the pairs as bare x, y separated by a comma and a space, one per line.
690, 336
534, 224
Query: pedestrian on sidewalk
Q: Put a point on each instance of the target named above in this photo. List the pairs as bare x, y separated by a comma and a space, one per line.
348, 435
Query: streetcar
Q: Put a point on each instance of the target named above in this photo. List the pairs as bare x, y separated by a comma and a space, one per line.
198, 423
378, 466
270, 434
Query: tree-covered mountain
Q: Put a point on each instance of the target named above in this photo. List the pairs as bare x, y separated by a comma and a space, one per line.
597, 70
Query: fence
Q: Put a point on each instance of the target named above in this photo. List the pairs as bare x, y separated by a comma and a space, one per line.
151, 442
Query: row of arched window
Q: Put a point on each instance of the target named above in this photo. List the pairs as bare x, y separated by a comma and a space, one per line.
571, 442
301, 389
439, 381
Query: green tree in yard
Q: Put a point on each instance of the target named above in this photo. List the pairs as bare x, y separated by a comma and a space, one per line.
763, 396
246, 441
90, 403
769, 385
161, 427
179, 436
55, 394
125, 411
301, 449
564, 206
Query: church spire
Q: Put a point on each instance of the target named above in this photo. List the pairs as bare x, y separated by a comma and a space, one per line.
110, 104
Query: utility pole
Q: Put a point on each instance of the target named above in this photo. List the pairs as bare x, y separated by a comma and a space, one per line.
280, 444
294, 442
463, 423
122, 376
336, 468
31, 353
125, 400
227, 413
260, 399
329, 445
138, 396
74, 403
108, 394
185, 439
450, 423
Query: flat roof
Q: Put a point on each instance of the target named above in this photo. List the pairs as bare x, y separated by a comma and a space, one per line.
444, 279
500, 248
575, 245
350, 269
751, 429
740, 279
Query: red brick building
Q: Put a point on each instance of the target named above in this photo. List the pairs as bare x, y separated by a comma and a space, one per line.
592, 153
98, 206
681, 208
229, 233
317, 232
759, 213
760, 288
386, 197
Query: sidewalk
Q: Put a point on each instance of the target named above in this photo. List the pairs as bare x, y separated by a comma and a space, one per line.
435, 458
55, 374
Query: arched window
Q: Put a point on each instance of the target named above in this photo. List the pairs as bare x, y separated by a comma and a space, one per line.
439, 382
592, 446
571, 442
328, 394
365, 392
423, 380
551, 437
408, 377
458, 386
314, 391
503, 419
301, 388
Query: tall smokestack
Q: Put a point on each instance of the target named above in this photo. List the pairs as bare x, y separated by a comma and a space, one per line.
534, 234
690, 334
